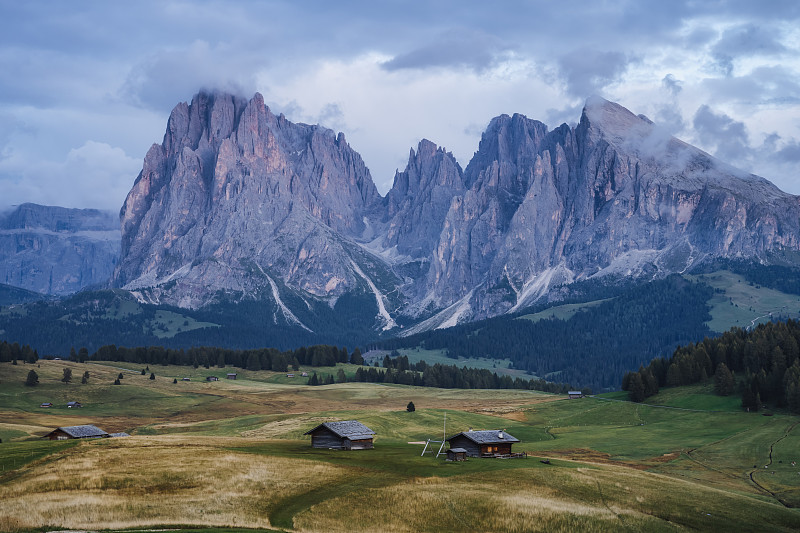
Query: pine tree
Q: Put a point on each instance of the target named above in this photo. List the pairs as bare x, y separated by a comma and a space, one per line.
724, 384
152, 376
410, 407
33, 379
67, 377
636, 388
85, 378
356, 358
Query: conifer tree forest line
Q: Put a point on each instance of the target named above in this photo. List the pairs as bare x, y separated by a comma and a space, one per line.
761, 365
396, 369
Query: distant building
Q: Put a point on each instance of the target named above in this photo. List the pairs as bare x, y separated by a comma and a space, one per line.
573, 394
232, 375
212, 378
289, 375
70, 405
304, 374
77, 432
46, 404
186, 379
343, 435
486, 443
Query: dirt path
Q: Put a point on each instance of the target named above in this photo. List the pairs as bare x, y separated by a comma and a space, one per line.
771, 447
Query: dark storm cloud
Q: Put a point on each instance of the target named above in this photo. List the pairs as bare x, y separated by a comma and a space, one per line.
744, 41
587, 71
456, 48
728, 136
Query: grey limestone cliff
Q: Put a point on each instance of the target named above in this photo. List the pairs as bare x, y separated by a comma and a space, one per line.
237, 198
55, 250
239, 201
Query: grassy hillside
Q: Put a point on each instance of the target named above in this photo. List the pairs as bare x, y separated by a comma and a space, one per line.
740, 303
232, 454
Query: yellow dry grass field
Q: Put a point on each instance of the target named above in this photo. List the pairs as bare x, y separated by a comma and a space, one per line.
145, 482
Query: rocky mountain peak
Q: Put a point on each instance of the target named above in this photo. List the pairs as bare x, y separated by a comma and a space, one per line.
420, 197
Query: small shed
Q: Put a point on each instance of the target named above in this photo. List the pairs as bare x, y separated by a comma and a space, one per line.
186, 379
70, 405
573, 394
487, 443
212, 378
343, 435
46, 404
77, 432
232, 375
456, 454
289, 375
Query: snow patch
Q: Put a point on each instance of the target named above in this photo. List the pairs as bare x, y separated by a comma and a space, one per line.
538, 285
149, 279
389, 321
287, 313
445, 318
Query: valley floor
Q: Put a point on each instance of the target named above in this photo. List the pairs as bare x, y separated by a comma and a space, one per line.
231, 454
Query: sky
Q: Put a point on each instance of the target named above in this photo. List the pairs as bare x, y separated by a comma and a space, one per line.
87, 86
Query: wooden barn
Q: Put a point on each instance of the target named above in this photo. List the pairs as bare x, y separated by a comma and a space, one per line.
344, 435
488, 443
77, 432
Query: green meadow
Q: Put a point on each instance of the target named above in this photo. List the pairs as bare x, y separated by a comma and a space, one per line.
231, 455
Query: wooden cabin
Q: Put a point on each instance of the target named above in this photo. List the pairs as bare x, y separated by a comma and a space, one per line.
344, 435
574, 394
212, 378
77, 432
488, 443
231, 376
70, 405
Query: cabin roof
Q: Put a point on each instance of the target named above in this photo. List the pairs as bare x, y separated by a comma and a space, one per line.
78, 432
489, 436
351, 429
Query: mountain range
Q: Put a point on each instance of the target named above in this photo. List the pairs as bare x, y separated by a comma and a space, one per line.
238, 204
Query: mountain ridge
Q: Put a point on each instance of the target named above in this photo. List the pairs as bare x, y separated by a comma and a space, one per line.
533, 209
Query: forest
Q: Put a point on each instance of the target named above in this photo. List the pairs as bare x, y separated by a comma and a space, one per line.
396, 370
594, 347
762, 365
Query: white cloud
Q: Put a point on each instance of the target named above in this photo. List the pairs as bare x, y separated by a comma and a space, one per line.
92, 175
384, 113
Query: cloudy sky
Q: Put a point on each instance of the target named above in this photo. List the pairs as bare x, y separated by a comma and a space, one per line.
87, 86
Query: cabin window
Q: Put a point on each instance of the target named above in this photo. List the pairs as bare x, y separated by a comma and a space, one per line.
62, 437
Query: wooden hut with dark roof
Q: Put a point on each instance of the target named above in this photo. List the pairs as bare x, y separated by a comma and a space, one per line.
343, 435
77, 432
487, 443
